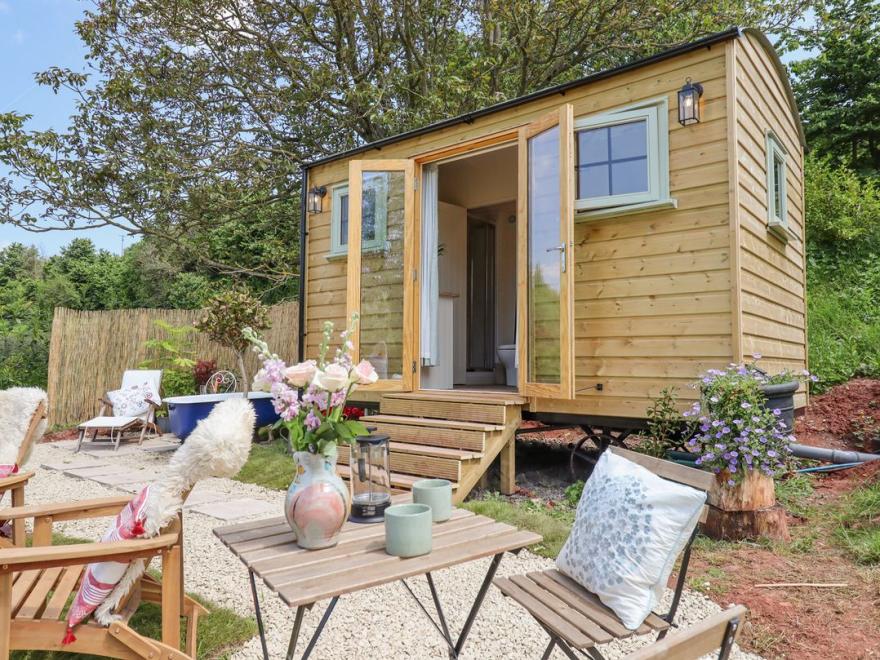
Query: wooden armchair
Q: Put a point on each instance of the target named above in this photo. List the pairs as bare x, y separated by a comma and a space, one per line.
15, 483
717, 632
36, 585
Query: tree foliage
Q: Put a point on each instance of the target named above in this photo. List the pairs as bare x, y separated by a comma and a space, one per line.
195, 115
838, 89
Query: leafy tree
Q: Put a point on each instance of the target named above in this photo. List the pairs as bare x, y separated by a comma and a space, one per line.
225, 318
838, 90
198, 113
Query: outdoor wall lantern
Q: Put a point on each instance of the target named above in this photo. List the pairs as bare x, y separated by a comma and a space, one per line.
316, 195
689, 103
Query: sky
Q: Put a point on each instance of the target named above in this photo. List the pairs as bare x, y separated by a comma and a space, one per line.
35, 35
38, 34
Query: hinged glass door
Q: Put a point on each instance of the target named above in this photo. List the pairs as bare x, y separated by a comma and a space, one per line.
545, 245
380, 241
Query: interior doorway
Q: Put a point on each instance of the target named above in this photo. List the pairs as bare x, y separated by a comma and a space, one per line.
475, 318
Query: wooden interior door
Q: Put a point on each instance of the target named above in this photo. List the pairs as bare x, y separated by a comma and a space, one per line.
545, 239
381, 263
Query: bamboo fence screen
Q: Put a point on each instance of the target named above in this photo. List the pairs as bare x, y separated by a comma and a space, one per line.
89, 351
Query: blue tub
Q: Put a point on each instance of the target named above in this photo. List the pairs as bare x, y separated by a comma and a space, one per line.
184, 412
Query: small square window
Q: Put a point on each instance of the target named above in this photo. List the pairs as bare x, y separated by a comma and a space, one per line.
373, 218
622, 157
777, 211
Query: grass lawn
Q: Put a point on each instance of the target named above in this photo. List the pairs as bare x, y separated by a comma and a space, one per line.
221, 631
269, 465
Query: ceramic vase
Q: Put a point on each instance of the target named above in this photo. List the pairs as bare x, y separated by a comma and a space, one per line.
317, 502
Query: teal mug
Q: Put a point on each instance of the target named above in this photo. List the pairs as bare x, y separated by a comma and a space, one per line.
437, 494
408, 530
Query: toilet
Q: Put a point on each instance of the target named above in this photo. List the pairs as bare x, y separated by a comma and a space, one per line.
507, 355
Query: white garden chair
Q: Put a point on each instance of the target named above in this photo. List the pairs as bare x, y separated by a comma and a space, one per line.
116, 427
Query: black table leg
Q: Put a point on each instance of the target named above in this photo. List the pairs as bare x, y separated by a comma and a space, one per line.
259, 616
323, 622
294, 636
487, 581
455, 651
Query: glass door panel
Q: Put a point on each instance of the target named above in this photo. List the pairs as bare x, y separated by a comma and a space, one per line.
547, 203
379, 257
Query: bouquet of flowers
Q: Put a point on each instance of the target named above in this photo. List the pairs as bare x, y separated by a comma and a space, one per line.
735, 430
311, 396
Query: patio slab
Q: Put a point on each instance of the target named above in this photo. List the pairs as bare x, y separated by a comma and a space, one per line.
238, 508
71, 464
120, 478
199, 497
87, 472
105, 450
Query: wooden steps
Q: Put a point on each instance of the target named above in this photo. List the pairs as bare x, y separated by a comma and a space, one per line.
450, 435
423, 460
403, 482
454, 434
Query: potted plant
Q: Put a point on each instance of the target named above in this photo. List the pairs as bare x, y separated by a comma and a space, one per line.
310, 398
779, 389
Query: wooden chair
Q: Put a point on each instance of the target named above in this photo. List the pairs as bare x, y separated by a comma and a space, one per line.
718, 632
575, 618
16, 483
36, 584
116, 428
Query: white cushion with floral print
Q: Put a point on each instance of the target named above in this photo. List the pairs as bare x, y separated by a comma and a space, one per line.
133, 401
629, 528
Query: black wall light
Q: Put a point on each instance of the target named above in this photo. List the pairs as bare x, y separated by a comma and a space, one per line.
689, 103
316, 197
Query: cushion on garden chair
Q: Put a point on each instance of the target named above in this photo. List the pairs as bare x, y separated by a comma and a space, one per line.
629, 529
218, 447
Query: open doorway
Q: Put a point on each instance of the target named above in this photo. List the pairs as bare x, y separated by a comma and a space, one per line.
477, 292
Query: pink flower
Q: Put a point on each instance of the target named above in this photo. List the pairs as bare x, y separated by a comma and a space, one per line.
299, 375
333, 378
364, 373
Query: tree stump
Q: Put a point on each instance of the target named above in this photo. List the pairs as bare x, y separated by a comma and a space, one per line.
745, 511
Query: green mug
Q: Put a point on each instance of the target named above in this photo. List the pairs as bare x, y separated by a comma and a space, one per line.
408, 530
437, 494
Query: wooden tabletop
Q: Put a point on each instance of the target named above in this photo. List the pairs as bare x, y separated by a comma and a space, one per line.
359, 561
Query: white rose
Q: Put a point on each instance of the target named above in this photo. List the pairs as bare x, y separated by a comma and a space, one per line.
333, 378
363, 373
300, 375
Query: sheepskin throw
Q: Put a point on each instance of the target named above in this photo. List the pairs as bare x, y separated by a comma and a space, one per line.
17, 408
218, 447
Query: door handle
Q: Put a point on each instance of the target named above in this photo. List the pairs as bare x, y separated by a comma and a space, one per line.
561, 249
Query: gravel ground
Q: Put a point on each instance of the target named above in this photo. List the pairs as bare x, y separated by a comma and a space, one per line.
378, 623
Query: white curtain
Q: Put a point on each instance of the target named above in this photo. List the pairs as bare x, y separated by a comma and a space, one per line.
430, 273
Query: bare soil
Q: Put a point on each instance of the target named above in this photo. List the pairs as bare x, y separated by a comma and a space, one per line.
809, 623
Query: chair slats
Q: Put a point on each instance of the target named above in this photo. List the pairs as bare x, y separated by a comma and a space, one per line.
37, 598
699, 479
574, 616
588, 604
22, 587
65, 586
547, 617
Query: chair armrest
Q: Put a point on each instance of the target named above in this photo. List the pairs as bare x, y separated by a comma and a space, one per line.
14, 480
97, 508
83, 553
152, 403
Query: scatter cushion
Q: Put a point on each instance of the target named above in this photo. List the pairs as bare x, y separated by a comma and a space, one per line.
100, 578
133, 401
629, 528
7, 469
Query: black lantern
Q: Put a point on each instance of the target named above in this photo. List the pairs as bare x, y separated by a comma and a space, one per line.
370, 478
316, 194
689, 103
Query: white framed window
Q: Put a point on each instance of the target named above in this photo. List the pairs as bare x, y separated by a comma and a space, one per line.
622, 158
374, 214
777, 206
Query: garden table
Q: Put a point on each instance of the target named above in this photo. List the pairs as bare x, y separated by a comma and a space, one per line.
303, 577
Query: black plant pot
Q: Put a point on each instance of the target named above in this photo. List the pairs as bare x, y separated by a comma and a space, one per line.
782, 396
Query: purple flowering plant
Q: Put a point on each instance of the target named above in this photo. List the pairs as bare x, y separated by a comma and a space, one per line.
735, 432
310, 397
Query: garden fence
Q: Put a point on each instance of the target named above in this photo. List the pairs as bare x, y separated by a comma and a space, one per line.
89, 351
